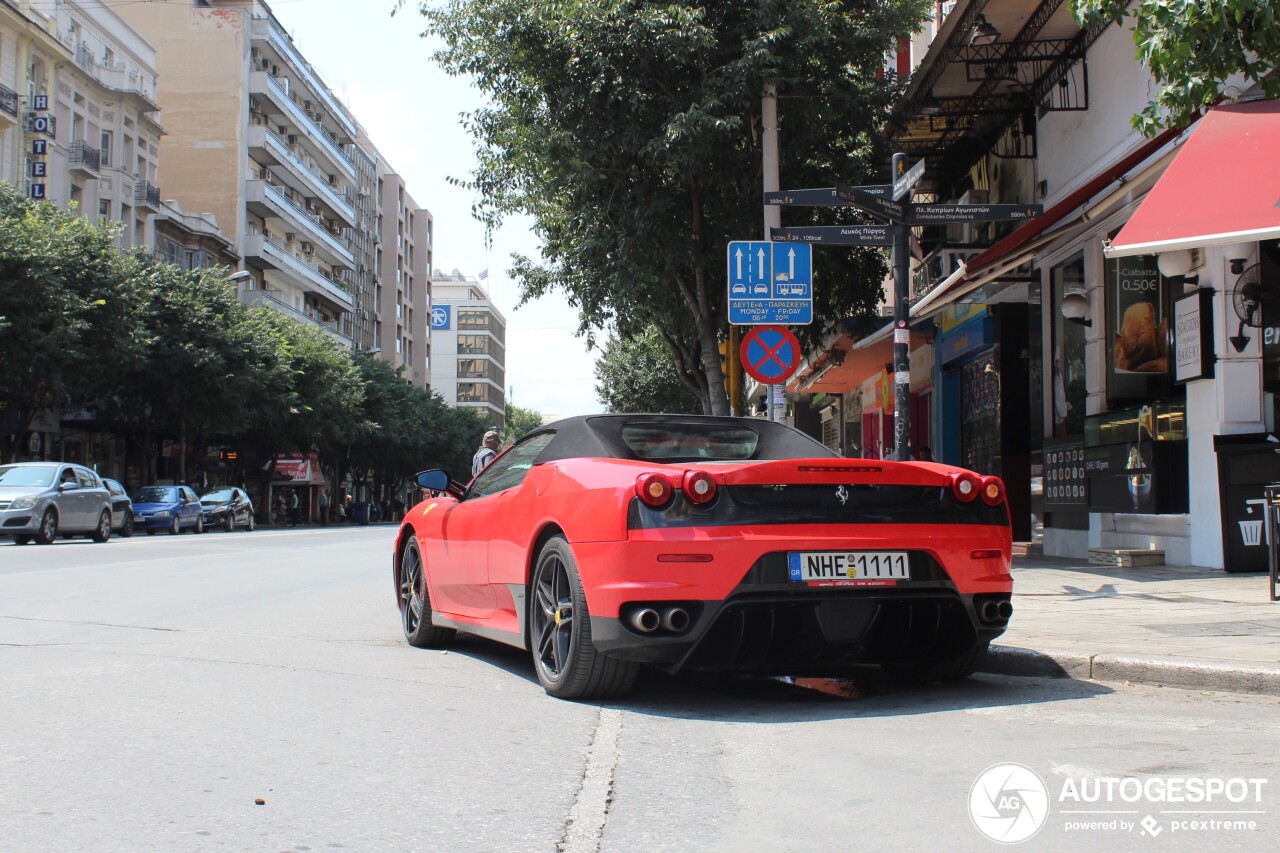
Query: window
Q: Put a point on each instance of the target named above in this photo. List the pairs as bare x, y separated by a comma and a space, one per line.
510, 468
107, 138
88, 479
1069, 392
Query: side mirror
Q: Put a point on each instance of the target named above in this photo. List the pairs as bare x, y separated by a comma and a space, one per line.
68, 486
436, 480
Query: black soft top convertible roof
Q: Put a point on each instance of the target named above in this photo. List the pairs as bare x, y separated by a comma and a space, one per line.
601, 436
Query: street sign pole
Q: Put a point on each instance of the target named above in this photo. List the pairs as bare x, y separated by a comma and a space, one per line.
772, 214
901, 333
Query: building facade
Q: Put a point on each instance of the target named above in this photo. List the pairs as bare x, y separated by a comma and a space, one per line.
468, 343
403, 295
243, 104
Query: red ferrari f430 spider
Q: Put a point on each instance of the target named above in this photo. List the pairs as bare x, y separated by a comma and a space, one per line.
603, 543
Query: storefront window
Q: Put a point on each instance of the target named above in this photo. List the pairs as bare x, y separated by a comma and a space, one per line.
1069, 392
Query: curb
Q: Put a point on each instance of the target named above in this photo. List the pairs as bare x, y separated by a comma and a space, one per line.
1168, 671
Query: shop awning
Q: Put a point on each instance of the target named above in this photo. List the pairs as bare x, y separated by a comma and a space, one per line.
845, 366
1223, 187
1017, 248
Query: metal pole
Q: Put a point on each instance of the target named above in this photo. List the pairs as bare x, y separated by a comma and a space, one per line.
901, 334
772, 213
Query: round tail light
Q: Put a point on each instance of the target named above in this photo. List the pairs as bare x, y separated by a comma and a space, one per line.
965, 486
698, 487
653, 489
992, 490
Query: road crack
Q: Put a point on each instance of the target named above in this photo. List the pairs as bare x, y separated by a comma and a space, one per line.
584, 827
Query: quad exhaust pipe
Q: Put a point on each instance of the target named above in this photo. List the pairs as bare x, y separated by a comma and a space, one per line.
995, 611
646, 620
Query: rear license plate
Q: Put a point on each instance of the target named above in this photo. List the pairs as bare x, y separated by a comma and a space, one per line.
848, 568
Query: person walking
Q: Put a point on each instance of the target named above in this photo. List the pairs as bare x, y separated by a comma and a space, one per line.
324, 507
295, 509
488, 450
278, 506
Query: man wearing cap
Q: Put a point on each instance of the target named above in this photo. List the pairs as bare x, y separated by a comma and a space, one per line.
485, 454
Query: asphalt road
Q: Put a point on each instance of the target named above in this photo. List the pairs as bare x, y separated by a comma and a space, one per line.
156, 688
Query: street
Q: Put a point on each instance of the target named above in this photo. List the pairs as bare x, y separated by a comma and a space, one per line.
158, 688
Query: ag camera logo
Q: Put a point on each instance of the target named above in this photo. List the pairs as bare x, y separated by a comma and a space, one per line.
1009, 803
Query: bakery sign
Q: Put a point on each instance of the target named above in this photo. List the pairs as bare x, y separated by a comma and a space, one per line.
1193, 354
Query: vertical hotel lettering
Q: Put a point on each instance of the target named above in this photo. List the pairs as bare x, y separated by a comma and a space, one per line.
39, 122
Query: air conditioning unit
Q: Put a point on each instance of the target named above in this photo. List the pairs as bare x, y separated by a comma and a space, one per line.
306, 105
266, 63
293, 140
288, 237
307, 247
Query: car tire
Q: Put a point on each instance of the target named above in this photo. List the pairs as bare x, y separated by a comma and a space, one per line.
48, 530
175, 526
250, 523
102, 533
567, 663
24, 539
151, 533
126, 529
199, 526
230, 524
415, 602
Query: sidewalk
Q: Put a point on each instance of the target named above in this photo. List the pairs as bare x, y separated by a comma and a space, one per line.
1173, 625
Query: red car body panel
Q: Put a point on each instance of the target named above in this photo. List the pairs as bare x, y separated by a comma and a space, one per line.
478, 553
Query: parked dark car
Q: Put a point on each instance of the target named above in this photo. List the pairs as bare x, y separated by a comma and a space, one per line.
121, 508
228, 508
42, 500
171, 508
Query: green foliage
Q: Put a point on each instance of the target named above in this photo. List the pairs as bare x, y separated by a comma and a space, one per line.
521, 422
637, 375
630, 131
1192, 48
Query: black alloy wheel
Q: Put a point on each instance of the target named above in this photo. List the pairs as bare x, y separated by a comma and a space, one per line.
48, 527
175, 526
568, 665
415, 602
102, 533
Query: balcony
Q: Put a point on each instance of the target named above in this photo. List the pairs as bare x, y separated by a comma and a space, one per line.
130, 84
268, 299
265, 143
267, 199
8, 107
264, 28
277, 92
84, 159
146, 195
275, 255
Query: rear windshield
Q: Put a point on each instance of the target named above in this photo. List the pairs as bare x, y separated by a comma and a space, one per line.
690, 441
156, 495
24, 475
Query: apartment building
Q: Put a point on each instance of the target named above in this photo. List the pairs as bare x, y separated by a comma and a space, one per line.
468, 340
78, 111
403, 296
258, 139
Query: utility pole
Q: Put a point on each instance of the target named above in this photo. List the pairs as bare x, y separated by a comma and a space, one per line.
772, 213
901, 330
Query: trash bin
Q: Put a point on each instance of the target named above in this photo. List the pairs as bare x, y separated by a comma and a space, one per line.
362, 512
1247, 463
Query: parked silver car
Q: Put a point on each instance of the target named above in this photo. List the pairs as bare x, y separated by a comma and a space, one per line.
40, 500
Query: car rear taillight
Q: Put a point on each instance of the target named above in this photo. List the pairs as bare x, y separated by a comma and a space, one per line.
965, 486
653, 489
992, 490
699, 488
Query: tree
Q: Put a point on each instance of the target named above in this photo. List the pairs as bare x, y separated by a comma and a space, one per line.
521, 422
630, 130
637, 375
1192, 49
67, 309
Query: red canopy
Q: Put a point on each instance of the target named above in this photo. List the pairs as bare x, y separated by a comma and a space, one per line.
1222, 187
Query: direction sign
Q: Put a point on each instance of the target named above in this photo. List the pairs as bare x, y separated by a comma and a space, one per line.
883, 207
770, 354
836, 235
937, 214
825, 197
770, 284
903, 183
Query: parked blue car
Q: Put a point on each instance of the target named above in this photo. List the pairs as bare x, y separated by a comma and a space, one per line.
171, 508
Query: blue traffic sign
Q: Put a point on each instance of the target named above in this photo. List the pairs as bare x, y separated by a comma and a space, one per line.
770, 283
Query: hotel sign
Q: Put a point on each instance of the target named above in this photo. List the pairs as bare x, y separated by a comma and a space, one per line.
1193, 355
